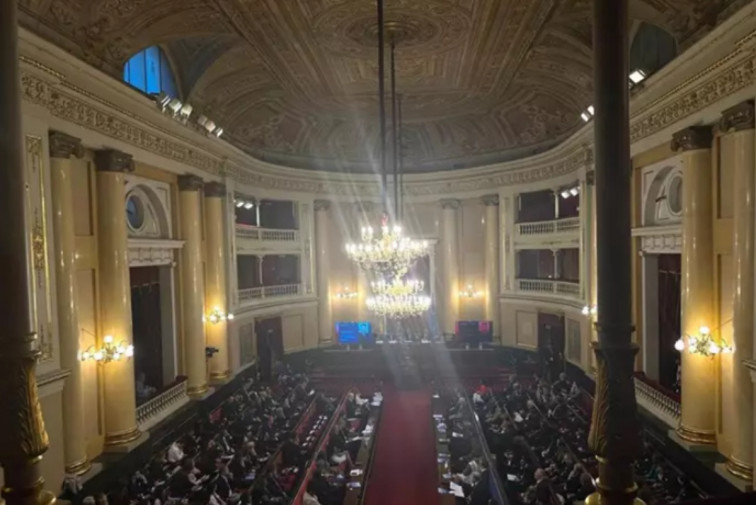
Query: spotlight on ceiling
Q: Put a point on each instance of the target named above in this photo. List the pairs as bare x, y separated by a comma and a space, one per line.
586, 117
591, 110
637, 76
218, 132
163, 99
574, 191
175, 105
239, 203
565, 194
209, 126
186, 110
249, 205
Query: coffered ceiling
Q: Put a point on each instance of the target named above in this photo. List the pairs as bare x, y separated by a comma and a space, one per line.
294, 81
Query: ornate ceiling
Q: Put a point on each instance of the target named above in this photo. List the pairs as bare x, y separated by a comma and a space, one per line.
294, 81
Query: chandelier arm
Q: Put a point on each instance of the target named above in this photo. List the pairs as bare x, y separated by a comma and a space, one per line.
394, 130
382, 106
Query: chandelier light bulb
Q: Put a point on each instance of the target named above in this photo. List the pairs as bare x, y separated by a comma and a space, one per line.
680, 345
98, 356
586, 310
108, 339
713, 348
129, 352
704, 330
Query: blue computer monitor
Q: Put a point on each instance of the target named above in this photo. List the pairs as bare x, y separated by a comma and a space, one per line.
353, 332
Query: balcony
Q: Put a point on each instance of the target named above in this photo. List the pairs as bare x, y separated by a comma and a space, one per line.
161, 406
656, 399
549, 287
244, 231
251, 295
539, 228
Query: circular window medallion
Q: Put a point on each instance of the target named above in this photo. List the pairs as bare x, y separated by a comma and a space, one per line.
674, 195
134, 212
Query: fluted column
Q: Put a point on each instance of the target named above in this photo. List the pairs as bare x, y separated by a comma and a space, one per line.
738, 123
23, 439
491, 260
215, 277
62, 147
697, 421
450, 266
192, 285
115, 295
323, 258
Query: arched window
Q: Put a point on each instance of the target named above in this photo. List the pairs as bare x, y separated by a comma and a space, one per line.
148, 71
652, 49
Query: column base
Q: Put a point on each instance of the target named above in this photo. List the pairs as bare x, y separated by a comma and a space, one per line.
598, 499
197, 391
78, 467
739, 480
691, 445
124, 437
220, 377
126, 447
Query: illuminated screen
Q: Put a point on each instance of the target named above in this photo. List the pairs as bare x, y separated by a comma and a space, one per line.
351, 332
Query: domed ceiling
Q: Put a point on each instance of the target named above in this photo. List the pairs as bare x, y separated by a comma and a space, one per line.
294, 81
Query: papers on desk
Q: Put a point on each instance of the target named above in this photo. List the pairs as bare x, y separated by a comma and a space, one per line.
442, 490
518, 418
512, 478
443, 440
355, 472
456, 490
354, 485
447, 476
438, 416
436, 395
457, 435
354, 439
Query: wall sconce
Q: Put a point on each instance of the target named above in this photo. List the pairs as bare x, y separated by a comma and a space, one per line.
217, 315
109, 351
346, 294
469, 292
703, 344
590, 310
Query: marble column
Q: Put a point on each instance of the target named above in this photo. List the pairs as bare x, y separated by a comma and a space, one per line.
491, 261
449, 266
192, 285
62, 147
323, 258
615, 429
215, 278
115, 295
738, 125
23, 439
697, 421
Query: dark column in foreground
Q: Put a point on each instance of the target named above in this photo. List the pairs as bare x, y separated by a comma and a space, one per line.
614, 436
23, 439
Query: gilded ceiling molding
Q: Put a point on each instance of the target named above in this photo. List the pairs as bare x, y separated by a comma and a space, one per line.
738, 118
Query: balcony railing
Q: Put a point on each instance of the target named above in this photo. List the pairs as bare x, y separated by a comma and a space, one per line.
658, 402
161, 406
550, 287
268, 234
250, 294
566, 225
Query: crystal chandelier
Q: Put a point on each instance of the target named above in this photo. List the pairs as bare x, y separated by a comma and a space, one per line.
397, 287
387, 253
398, 306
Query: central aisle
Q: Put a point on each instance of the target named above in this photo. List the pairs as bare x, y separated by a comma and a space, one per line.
404, 471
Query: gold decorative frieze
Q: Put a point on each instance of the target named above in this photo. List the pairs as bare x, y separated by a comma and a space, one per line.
40, 292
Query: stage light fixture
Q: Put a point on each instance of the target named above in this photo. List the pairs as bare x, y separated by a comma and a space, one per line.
637, 76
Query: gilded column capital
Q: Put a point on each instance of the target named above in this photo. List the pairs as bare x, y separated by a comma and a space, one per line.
692, 138
215, 189
63, 145
590, 177
490, 200
450, 203
322, 205
737, 118
112, 160
190, 182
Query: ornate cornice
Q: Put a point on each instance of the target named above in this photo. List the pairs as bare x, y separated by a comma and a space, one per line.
190, 182
112, 160
692, 138
215, 190
740, 117
63, 145
450, 203
490, 200
321, 205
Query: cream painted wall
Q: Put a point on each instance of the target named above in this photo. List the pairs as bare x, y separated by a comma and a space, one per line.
53, 463
471, 232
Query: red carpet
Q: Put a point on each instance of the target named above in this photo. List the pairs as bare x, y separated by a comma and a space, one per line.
404, 471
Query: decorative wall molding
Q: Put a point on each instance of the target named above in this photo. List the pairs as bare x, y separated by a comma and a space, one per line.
146, 252
660, 239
